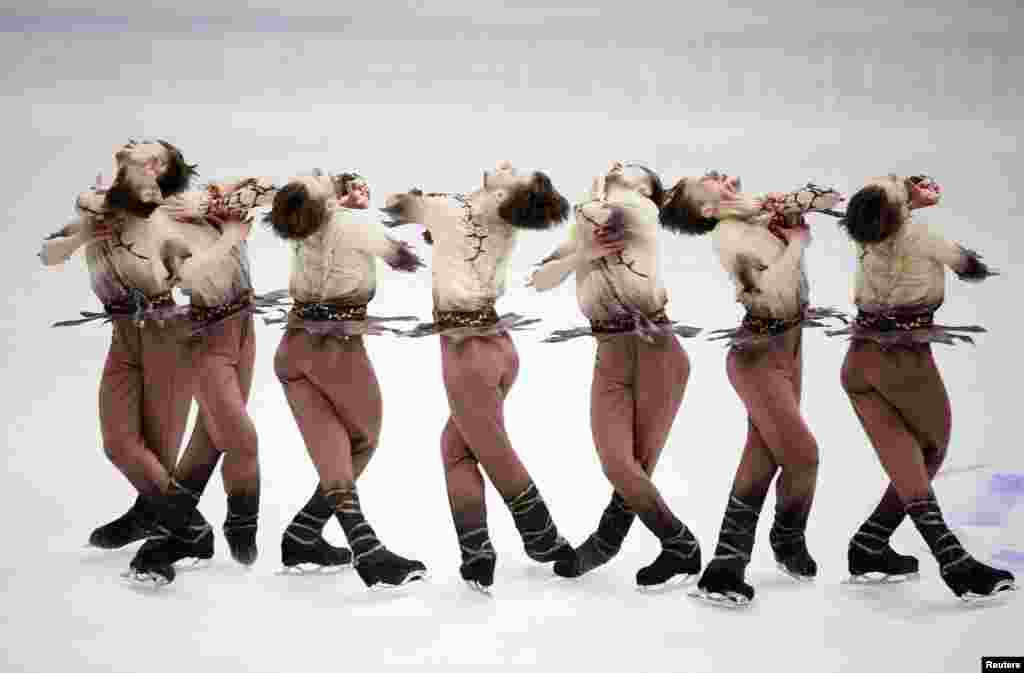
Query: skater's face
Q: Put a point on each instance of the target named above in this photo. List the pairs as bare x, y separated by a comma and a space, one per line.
355, 194
630, 177
138, 168
706, 193
924, 191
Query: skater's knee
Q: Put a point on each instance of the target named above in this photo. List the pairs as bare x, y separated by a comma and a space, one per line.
806, 461
245, 441
623, 472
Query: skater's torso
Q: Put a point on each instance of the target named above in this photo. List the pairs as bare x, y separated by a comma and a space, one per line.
231, 276
747, 250
336, 264
630, 279
141, 254
471, 255
904, 270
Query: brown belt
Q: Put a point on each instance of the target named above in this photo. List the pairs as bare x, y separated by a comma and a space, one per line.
319, 311
770, 326
625, 323
209, 313
483, 318
887, 322
124, 308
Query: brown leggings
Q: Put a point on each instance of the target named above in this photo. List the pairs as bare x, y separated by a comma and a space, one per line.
636, 392
144, 398
768, 381
222, 363
478, 373
902, 404
333, 392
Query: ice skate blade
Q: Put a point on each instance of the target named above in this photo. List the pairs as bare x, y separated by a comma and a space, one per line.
414, 576
668, 585
788, 573
312, 569
877, 578
731, 599
479, 588
192, 563
1000, 592
144, 579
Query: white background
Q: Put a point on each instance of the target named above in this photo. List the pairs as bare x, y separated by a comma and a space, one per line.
429, 96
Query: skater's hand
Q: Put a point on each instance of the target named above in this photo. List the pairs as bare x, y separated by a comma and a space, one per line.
798, 233
102, 231
599, 250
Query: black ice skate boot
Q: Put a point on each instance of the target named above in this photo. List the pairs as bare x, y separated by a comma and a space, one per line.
679, 559
870, 558
603, 544
965, 576
478, 557
541, 540
723, 580
303, 543
790, 546
375, 564
131, 526
240, 527
180, 532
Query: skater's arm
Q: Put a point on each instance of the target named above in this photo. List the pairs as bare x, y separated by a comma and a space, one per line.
965, 262
201, 264
802, 200
371, 237
405, 208
59, 246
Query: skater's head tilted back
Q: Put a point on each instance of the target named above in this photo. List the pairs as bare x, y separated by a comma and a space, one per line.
695, 205
302, 207
352, 190
634, 177
146, 173
526, 200
882, 207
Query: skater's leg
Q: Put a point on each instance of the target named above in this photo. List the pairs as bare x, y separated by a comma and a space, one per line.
466, 497
121, 412
199, 460
912, 383
870, 557
724, 574
663, 370
168, 382
346, 377
629, 439
612, 410
478, 373
769, 384
327, 443
225, 360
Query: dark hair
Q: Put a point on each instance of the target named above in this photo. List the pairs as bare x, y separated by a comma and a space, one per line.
871, 216
178, 176
538, 206
657, 187
680, 215
295, 215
